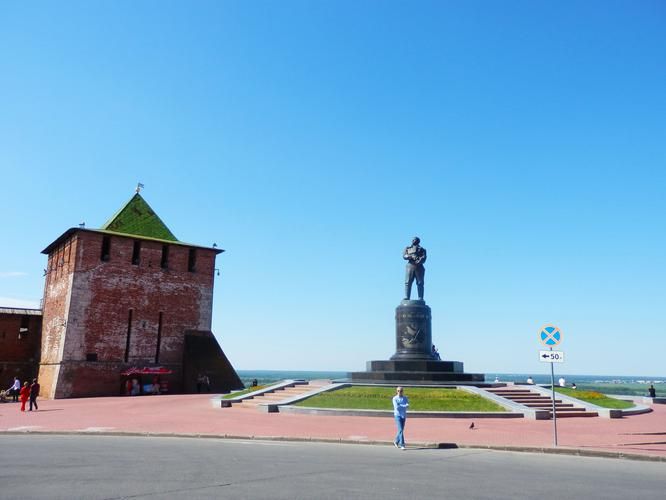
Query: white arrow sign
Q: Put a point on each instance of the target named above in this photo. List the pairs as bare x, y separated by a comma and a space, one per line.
551, 356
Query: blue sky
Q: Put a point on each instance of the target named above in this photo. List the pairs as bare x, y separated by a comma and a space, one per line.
524, 142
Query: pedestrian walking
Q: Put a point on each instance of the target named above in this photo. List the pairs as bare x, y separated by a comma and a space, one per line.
400, 404
25, 394
34, 392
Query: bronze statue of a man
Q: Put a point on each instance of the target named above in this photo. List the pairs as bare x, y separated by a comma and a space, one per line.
415, 255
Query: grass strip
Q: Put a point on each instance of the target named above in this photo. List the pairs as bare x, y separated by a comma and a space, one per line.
628, 389
596, 398
235, 394
420, 399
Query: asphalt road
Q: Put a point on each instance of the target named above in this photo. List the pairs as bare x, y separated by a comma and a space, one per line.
103, 467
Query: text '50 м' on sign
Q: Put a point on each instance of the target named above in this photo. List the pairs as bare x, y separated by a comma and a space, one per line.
551, 356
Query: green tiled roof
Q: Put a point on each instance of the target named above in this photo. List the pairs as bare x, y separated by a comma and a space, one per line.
137, 218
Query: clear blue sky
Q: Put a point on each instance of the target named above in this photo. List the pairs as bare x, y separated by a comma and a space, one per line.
524, 142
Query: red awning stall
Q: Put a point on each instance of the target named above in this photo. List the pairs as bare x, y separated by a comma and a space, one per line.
133, 385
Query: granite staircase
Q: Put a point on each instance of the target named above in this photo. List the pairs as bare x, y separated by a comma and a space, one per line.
274, 397
537, 401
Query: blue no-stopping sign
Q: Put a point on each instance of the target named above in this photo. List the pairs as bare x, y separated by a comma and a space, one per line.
550, 335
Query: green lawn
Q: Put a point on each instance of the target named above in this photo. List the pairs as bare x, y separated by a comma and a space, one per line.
244, 391
634, 389
596, 398
420, 399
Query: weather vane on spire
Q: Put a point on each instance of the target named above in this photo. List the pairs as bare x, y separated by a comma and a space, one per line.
139, 187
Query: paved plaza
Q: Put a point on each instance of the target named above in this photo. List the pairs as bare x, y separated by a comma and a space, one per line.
198, 415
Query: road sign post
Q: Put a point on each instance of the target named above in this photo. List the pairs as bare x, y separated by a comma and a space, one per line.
551, 336
552, 388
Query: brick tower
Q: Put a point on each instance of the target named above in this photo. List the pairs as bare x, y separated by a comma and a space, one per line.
129, 295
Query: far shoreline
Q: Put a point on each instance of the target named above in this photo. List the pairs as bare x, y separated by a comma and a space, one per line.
626, 385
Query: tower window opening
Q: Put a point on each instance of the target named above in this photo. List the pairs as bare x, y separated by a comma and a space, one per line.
24, 328
106, 248
129, 335
136, 253
165, 257
192, 260
159, 339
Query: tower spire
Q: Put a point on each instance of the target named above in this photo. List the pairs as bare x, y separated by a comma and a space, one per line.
137, 218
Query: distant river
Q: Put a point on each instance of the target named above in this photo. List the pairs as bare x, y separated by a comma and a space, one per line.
609, 384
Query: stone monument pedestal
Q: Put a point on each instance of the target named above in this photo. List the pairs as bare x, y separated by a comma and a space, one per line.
413, 331
413, 362
416, 373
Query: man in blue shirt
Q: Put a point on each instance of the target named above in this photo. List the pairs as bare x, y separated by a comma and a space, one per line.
400, 404
15, 389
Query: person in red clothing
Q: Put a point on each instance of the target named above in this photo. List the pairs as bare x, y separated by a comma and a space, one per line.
25, 394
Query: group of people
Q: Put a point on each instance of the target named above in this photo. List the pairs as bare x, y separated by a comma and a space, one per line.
26, 392
561, 382
203, 382
133, 387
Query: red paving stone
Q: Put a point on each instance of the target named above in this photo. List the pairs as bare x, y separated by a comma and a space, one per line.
195, 414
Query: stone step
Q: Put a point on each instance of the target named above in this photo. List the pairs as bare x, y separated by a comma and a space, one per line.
533, 398
276, 397
514, 395
291, 390
544, 402
525, 395
538, 401
280, 394
272, 397
569, 414
522, 396
509, 391
519, 396
557, 407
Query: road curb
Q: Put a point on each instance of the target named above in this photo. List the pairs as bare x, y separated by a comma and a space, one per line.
413, 445
569, 451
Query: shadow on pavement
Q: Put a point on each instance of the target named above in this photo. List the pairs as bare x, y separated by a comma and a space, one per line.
440, 446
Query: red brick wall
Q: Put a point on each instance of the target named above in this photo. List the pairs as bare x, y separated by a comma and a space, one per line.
57, 286
94, 307
19, 356
59, 273
103, 379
